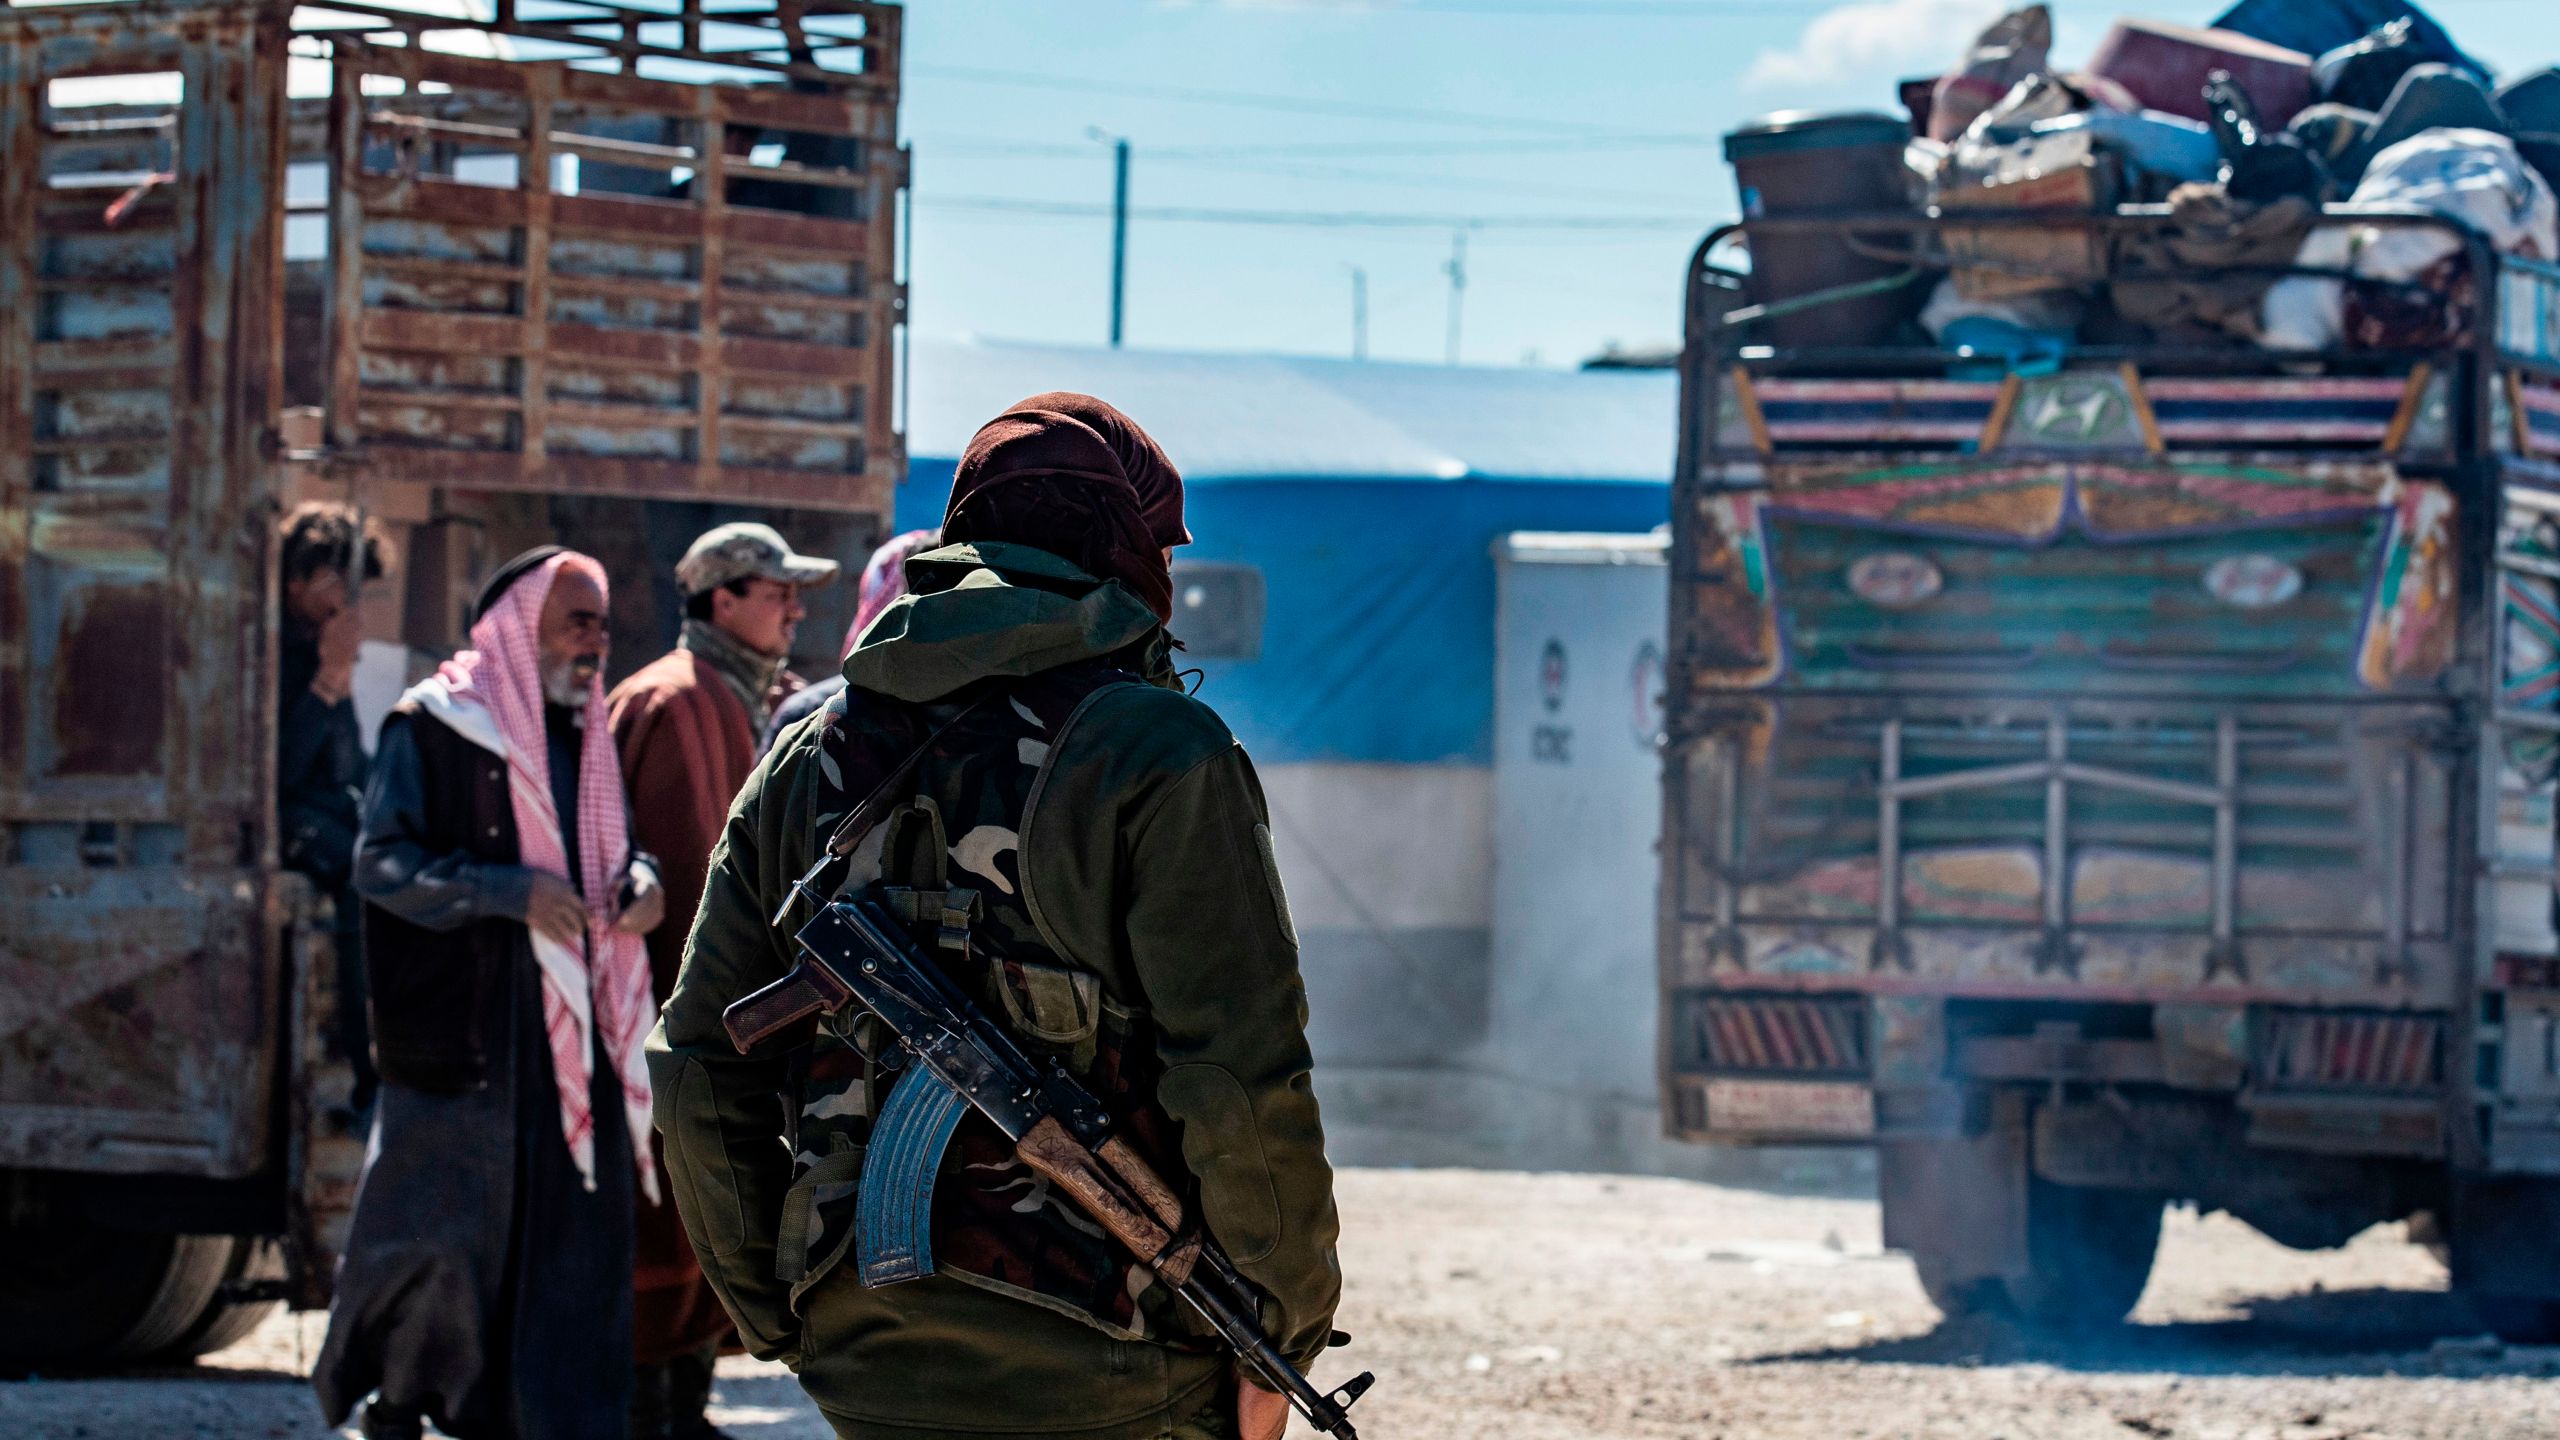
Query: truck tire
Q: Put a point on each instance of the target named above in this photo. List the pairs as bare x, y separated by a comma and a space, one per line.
226, 1321
2516, 1319
2089, 1254
1957, 1297
2497, 1250
2088, 1251
75, 1296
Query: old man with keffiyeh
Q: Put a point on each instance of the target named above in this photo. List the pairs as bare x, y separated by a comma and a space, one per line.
487, 1281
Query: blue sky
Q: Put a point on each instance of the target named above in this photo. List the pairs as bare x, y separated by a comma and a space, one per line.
1591, 111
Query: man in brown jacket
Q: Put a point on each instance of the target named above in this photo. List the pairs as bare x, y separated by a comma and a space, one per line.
686, 727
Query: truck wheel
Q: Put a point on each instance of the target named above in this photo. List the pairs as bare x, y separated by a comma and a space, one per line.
2517, 1319
2498, 1253
226, 1322
76, 1296
1957, 1297
2089, 1254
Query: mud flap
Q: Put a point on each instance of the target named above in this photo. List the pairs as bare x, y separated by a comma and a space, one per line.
893, 1219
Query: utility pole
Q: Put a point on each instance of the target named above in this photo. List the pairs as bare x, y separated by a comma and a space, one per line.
1119, 235
1119, 224
1359, 313
1457, 288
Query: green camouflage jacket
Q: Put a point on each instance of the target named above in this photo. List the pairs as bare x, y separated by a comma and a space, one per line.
1144, 863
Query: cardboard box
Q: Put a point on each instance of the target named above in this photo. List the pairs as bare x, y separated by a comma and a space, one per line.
2063, 172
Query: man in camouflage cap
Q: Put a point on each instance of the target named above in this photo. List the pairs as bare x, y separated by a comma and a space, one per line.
744, 550
687, 728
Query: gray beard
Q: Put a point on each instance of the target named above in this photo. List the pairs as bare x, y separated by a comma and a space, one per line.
560, 686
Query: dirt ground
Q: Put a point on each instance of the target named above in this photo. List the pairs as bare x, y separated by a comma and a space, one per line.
1542, 1307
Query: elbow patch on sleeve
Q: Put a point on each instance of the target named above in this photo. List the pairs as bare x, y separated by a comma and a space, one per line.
1223, 1144
1271, 876
688, 1117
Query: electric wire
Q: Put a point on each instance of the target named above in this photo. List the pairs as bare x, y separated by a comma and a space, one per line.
1252, 100
1323, 219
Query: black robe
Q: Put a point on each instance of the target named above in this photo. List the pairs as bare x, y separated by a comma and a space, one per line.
483, 1284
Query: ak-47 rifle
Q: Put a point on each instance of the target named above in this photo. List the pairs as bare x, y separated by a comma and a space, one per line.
957, 1059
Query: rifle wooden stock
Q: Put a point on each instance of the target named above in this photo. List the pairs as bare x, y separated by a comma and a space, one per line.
1118, 1189
1148, 1185
810, 989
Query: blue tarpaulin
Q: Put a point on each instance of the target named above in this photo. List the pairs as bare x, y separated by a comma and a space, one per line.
1368, 495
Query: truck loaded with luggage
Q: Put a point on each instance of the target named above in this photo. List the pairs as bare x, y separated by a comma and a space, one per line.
2114, 680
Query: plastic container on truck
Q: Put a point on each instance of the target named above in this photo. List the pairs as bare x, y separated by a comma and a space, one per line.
1798, 163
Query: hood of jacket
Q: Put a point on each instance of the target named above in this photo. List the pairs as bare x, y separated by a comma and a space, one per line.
987, 610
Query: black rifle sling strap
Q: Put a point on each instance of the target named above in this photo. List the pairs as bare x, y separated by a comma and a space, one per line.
818, 885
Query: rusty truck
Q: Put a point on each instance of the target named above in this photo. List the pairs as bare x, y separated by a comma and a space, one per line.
2122, 781
570, 269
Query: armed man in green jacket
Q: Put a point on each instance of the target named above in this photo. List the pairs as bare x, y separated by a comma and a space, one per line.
1086, 851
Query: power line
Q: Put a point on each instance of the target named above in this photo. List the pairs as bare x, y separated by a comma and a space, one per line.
1294, 104
1428, 182
955, 147
1511, 239
1381, 148
1326, 219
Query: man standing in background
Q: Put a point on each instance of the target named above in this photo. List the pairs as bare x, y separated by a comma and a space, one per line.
686, 728
324, 552
486, 1287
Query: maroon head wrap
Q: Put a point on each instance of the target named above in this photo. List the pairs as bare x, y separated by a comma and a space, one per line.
1069, 474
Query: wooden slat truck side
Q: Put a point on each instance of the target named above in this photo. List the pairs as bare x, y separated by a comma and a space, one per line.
580, 271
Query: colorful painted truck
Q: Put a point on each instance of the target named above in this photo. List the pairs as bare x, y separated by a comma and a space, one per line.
570, 270
2123, 786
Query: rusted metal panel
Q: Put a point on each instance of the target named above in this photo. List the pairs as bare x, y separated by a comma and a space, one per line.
133, 1032
138, 371
499, 326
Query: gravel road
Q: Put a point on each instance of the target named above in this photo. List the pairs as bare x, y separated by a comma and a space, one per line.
1572, 1307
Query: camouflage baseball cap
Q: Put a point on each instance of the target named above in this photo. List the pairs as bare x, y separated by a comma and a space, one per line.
747, 551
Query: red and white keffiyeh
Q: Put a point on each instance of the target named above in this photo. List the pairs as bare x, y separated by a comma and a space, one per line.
606, 989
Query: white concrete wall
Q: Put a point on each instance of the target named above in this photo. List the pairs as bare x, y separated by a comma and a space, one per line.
1577, 777
1389, 870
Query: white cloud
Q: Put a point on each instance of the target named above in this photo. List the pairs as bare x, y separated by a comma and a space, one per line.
1874, 39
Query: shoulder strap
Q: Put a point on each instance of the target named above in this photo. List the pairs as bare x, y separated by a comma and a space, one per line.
847, 837
857, 824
